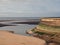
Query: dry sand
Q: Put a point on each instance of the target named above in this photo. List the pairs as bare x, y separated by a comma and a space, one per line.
7, 38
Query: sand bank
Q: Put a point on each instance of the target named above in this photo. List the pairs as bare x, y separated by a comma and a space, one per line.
7, 38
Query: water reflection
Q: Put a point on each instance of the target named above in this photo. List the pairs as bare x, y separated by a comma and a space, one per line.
17, 28
20, 29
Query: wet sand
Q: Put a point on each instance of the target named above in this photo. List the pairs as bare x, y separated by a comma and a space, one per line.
2, 25
25, 23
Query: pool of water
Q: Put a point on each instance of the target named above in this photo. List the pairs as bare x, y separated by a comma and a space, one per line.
19, 28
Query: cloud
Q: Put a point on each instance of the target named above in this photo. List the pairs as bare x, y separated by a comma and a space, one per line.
29, 7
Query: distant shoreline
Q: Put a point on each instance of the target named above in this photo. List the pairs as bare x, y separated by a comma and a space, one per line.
25, 22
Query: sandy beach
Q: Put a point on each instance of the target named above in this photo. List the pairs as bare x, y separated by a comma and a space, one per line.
8, 38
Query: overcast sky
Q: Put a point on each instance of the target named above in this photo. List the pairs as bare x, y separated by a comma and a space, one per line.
29, 8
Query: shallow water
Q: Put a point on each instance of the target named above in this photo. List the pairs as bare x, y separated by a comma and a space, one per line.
18, 28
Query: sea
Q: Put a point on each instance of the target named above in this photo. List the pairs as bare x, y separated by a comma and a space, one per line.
17, 28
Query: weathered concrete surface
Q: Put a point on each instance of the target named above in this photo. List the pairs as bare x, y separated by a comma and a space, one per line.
7, 38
